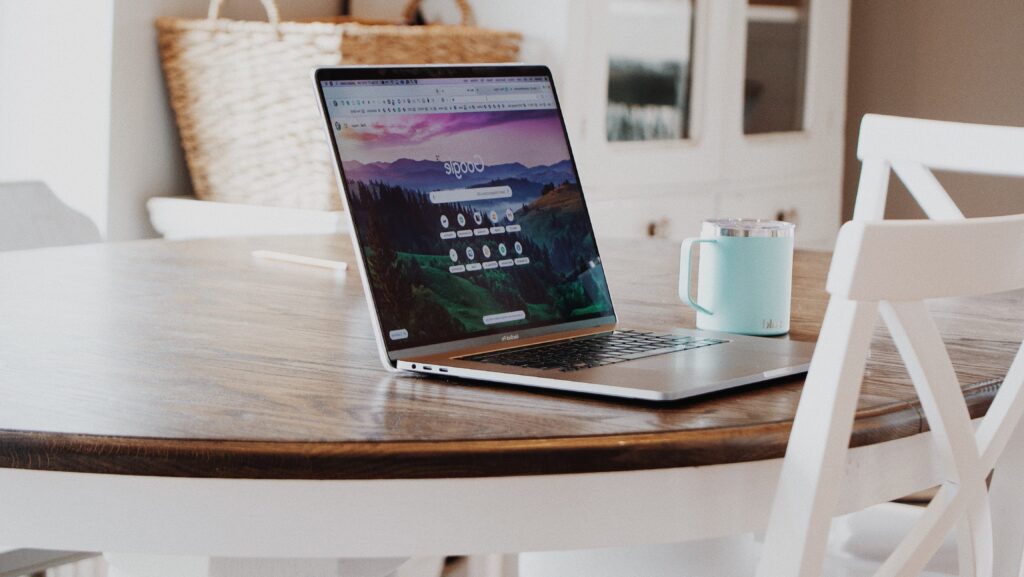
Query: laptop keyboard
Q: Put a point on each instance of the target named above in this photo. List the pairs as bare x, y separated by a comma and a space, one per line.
593, 351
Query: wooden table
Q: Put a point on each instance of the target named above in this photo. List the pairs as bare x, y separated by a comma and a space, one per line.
184, 398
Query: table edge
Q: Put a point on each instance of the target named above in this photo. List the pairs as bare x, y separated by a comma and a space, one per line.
326, 460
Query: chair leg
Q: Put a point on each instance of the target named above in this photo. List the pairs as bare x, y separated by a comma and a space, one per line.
1008, 507
965, 550
811, 477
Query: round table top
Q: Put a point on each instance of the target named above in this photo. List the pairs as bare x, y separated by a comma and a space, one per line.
191, 358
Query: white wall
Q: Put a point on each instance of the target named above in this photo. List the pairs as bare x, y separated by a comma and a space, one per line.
83, 106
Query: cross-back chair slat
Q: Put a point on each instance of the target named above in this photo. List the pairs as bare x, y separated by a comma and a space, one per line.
927, 361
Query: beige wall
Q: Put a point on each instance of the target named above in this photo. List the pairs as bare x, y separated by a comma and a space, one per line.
944, 59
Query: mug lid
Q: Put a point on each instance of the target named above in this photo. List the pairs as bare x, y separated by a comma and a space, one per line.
750, 227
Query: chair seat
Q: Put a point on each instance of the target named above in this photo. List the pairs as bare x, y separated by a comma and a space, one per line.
861, 541
858, 544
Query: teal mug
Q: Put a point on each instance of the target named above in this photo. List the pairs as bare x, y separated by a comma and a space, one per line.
745, 276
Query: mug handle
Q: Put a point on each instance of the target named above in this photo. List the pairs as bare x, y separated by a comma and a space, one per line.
685, 254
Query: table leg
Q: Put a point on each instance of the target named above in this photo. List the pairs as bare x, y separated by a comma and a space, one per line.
132, 565
1008, 507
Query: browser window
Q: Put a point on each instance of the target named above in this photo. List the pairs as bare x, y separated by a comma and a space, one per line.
467, 205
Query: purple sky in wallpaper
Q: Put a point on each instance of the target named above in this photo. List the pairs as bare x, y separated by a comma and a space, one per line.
531, 137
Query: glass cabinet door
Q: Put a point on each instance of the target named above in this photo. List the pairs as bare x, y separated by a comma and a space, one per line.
649, 63
646, 124
776, 66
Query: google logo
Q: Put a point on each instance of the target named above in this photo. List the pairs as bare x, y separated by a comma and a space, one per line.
459, 168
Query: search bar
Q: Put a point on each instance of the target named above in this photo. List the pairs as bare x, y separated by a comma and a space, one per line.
504, 317
470, 194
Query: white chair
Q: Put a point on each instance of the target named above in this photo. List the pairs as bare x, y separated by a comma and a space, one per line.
890, 268
31, 216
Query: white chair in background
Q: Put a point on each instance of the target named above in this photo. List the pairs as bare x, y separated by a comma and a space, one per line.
891, 267
31, 216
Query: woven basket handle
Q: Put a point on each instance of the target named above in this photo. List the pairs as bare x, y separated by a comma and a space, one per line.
270, 6
468, 18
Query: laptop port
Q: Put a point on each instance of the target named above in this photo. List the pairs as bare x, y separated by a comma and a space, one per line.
442, 369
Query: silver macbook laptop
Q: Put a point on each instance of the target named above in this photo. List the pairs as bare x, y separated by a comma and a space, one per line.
476, 250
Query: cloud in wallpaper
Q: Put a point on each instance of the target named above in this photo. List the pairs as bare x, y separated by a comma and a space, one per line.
489, 134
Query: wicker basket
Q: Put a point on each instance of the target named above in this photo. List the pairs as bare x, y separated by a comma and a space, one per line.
244, 104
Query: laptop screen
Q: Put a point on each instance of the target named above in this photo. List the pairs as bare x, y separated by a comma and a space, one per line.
467, 205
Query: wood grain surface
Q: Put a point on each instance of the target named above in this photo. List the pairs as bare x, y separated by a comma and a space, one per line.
191, 358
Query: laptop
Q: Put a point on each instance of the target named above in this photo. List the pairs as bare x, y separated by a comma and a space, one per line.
476, 250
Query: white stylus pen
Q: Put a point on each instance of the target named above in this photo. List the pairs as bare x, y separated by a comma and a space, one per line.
299, 259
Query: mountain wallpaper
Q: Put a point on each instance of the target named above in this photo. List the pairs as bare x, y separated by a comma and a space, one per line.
532, 255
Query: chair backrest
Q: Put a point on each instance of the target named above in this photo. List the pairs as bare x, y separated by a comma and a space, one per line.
31, 216
889, 268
